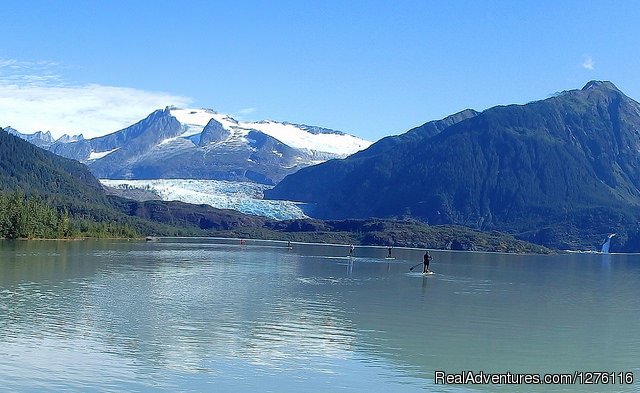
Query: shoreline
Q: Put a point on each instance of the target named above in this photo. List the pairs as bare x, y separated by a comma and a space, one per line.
369, 246
71, 238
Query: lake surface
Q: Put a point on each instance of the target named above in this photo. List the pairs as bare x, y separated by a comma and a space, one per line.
211, 315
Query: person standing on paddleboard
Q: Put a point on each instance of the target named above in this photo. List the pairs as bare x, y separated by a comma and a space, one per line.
426, 260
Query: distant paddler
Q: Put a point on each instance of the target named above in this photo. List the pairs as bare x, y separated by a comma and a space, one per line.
352, 250
389, 256
425, 261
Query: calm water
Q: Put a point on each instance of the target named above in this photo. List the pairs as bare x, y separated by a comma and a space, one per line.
202, 315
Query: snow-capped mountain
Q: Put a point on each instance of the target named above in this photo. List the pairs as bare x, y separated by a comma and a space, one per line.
312, 139
177, 143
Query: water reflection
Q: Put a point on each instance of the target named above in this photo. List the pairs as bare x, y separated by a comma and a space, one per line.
425, 281
135, 315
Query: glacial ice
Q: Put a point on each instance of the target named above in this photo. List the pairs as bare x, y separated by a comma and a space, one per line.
244, 197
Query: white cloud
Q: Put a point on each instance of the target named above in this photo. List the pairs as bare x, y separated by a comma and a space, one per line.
588, 63
246, 111
243, 113
34, 98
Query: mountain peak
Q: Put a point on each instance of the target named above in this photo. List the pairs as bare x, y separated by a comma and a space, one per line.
602, 85
66, 138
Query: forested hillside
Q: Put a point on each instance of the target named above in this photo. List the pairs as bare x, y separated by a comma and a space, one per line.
34, 171
563, 172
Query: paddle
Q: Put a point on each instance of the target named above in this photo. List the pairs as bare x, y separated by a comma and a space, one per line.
414, 266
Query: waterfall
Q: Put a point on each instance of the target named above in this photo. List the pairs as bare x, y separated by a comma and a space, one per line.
607, 243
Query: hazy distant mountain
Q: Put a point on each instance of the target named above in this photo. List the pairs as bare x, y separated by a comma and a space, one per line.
69, 138
202, 144
562, 171
40, 138
44, 139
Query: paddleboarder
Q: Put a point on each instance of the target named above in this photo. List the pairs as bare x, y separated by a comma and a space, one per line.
427, 258
389, 248
352, 249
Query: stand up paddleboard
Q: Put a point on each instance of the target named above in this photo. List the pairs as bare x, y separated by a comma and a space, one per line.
389, 257
429, 273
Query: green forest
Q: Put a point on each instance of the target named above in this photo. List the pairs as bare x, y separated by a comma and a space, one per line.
23, 217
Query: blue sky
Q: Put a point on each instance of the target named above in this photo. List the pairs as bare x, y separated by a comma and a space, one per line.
371, 68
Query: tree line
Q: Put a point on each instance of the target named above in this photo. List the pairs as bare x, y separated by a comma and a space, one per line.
32, 218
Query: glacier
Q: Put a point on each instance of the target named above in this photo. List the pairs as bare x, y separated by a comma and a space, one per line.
245, 197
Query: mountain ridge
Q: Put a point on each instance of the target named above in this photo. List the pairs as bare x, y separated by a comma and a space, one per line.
549, 164
43, 195
204, 144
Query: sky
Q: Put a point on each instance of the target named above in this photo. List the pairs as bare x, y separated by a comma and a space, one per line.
369, 68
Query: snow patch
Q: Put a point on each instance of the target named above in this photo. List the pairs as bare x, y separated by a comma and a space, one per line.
341, 145
289, 134
193, 120
96, 155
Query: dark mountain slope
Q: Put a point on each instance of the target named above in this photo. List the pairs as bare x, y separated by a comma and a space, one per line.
415, 135
551, 165
27, 168
344, 174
